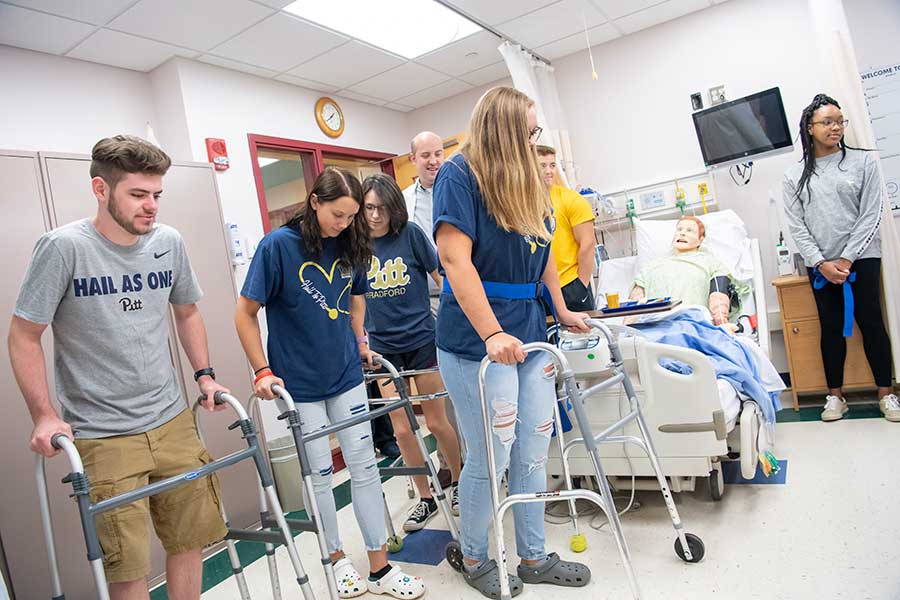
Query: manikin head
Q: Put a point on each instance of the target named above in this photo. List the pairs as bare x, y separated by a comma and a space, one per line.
689, 233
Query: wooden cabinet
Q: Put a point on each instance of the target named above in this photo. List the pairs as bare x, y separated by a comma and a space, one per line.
800, 325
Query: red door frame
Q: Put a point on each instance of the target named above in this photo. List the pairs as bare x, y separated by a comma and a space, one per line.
317, 150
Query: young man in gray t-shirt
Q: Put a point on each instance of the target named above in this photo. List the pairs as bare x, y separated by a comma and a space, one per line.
105, 284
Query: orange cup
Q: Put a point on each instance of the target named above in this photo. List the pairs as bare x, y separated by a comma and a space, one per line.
612, 300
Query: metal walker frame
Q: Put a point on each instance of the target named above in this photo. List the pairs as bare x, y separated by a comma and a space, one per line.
688, 547
88, 510
289, 413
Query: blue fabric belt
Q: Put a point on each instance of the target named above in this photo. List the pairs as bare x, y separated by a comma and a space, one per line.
522, 291
510, 291
820, 281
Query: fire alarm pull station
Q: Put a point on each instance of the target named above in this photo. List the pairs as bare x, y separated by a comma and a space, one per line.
218, 154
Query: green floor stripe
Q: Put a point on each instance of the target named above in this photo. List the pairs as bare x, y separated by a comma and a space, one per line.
812, 413
217, 568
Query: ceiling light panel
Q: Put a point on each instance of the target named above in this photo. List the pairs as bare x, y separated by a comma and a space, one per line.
394, 25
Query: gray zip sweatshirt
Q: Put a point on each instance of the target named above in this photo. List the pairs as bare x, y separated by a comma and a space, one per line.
840, 215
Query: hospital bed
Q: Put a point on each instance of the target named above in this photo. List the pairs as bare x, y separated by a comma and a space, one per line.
696, 420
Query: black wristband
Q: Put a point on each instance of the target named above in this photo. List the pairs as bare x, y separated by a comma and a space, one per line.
256, 372
207, 371
493, 334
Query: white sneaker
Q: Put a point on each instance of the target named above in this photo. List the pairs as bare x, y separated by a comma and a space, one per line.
835, 408
890, 407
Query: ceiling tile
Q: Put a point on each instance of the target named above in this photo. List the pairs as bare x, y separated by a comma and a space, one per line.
552, 23
470, 53
38, 31
347, 64
400, 107
275, 3
401, 81
279, 43
576, 43
235, 65
361, 97
126, 51
659, 14
613, 9
487, 74
199, 24
498, 11
306, 83
95, 11
438, 92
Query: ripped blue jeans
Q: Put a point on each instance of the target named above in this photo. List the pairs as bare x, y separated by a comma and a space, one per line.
520, 401
359, 456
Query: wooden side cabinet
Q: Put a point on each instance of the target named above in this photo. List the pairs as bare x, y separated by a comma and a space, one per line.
800, 325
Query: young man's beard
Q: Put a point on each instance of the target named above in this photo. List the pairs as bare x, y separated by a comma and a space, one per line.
113, 208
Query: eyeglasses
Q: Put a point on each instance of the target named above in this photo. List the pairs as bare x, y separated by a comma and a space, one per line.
535, 134
374, 208
829, 123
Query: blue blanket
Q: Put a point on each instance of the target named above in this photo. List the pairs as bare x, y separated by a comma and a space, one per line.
731, 360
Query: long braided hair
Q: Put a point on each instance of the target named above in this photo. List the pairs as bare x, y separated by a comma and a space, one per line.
806, 139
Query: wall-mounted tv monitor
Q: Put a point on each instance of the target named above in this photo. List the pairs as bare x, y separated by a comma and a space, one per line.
736, 131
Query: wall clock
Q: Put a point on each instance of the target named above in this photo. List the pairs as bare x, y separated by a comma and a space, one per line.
329, 117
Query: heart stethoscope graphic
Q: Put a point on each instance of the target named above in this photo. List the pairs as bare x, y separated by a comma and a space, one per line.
329, 276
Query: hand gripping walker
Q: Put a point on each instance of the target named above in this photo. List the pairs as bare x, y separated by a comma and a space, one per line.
88, 510
287, 412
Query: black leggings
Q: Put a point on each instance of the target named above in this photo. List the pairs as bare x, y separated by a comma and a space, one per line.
867, 310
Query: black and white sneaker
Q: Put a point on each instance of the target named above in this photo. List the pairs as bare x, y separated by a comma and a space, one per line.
454, 500
421, 513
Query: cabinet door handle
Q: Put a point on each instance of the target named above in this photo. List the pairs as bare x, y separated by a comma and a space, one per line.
796, 330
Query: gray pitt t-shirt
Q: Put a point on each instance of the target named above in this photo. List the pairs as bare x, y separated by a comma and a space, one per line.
108, 306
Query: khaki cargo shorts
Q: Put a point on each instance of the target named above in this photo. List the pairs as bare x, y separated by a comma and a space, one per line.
185, 518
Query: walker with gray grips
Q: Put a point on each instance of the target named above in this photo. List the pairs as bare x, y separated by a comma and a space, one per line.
688, 546
88, 510
404, 400
289, 413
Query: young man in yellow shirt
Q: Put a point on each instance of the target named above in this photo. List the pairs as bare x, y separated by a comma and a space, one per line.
573, 241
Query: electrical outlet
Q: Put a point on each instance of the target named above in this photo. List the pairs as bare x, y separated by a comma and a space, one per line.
716, 95
697, 101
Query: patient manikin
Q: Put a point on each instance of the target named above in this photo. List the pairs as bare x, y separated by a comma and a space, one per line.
690, 274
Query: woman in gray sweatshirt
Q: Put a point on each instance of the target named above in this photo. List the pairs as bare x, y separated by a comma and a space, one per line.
834, 202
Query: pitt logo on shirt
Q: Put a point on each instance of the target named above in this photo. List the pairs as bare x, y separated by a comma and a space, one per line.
392, 275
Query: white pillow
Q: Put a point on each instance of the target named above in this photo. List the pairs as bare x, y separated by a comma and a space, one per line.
726, 237
617, 276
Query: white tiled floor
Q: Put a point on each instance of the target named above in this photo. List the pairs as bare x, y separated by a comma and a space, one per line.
833, 531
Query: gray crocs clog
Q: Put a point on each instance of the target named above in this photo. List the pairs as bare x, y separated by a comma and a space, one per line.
486, 579
556, 572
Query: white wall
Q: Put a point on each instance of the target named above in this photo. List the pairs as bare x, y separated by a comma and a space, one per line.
874, 26
633, 127
226, 104
450, 116
64, 105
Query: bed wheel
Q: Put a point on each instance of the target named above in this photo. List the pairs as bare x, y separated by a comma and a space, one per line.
695, 544
453, 552
716, 483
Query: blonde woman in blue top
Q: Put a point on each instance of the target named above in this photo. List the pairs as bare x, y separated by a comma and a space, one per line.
493, 223
310, 275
